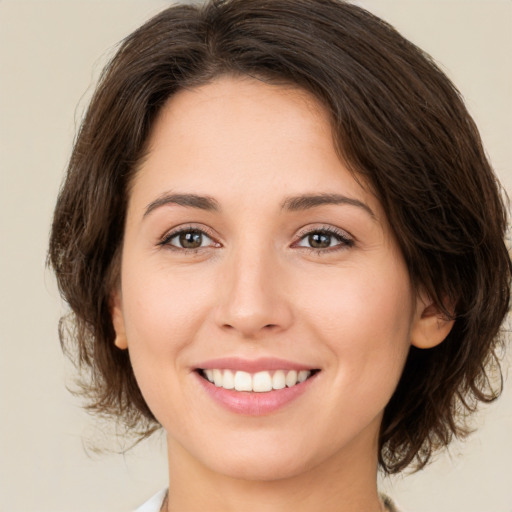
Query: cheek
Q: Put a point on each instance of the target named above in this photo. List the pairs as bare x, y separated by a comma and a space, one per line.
356, 299
163, 314
364, 319
162, 308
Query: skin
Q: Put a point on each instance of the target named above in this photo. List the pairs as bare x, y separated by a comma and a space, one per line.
256, 288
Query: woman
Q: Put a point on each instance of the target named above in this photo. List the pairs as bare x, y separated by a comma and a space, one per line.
281, 241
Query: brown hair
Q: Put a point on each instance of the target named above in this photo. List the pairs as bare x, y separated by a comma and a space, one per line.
397, 121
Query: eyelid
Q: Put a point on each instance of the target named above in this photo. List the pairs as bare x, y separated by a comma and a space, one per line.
346, 240
172, 233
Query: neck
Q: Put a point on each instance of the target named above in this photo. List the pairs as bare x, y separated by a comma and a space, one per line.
346, 481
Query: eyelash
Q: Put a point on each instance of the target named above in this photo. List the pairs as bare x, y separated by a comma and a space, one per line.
165, 241
345, 241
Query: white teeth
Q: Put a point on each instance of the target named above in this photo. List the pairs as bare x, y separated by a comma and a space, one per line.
243, 381
303, 375
260, 382
291, 378
217, 378
229, 380
279, 380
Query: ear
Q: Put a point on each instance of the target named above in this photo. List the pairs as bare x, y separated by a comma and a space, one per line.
116, 311
431, 326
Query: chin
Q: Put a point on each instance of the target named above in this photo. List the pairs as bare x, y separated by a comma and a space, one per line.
259, 469
261, 459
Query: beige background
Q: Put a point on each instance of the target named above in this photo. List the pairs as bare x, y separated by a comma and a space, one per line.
51, 52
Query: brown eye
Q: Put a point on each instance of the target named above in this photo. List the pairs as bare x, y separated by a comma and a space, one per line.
322, 239
319, 240
191, 239
188, 239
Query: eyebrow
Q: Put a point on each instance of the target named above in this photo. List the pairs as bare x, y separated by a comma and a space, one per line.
189, 200
307, 201
293, 203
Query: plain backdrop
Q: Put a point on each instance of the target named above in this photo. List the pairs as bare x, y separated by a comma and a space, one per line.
51, 53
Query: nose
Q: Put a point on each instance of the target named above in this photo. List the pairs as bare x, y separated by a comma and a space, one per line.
253, 296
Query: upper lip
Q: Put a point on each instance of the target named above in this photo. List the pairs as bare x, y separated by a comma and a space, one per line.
252, 365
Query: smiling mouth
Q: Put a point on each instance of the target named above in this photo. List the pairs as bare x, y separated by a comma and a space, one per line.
259, 382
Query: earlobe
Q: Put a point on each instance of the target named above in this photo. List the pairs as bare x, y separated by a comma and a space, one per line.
431, 325
118, 321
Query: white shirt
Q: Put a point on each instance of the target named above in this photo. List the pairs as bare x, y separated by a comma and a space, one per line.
154, 504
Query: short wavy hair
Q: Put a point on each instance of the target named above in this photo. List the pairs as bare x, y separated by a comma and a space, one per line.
397, 121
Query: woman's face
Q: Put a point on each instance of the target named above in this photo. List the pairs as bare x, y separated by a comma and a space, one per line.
250, 248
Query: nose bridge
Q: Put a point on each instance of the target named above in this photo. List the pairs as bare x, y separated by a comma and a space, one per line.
253, 300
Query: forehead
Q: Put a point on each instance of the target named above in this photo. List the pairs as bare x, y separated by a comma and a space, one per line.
251, 114
244, 137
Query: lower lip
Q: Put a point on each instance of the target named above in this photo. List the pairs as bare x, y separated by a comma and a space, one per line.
252, 403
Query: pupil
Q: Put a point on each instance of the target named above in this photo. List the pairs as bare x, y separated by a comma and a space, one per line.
319, 240
191, 239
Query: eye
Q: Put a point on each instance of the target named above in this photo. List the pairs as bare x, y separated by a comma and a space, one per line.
188, 239
325, 238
